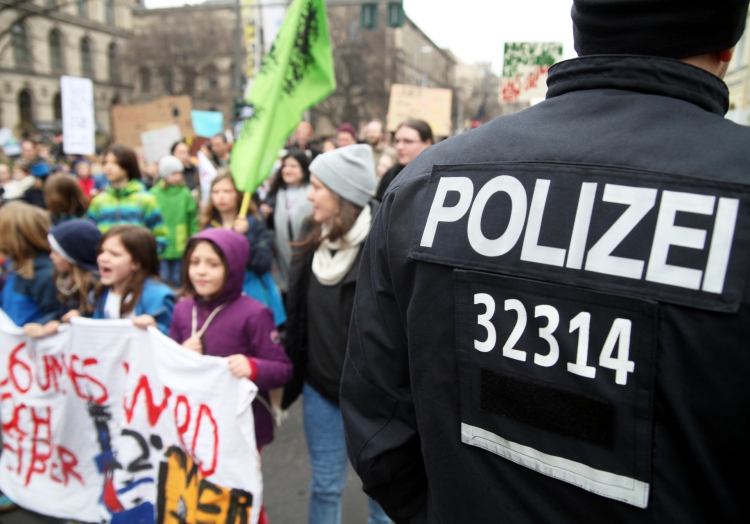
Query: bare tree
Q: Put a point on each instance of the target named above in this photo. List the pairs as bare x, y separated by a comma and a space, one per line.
362, 78
180, 48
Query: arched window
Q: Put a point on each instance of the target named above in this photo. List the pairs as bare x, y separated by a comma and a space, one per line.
114, 70
20, 45
116, 99
144, 77
212, 77
83, 8
57, 105
87, 63
109, 11
166, 79
188, 79
55, 51
25, 110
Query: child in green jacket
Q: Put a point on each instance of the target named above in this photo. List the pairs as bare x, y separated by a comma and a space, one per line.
180, 215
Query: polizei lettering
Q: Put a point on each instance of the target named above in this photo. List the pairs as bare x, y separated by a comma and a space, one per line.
675, 239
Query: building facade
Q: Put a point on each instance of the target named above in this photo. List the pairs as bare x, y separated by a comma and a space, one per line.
187, 50
738, 74
44, 39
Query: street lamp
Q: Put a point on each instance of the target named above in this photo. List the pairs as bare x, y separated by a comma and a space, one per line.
423, 49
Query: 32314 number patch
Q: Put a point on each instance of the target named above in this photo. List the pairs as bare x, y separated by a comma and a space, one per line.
558, 379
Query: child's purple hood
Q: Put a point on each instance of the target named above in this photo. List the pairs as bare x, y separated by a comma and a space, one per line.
236, 252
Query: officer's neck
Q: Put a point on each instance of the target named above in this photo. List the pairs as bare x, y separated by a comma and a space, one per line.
715, 63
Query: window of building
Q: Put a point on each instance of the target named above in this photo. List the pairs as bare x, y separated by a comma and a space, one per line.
144, 77
188, 80
109, 11
114, 70
55, 51
25, 110
87, 62
167, 79
57, 104
83, 7
20, 45
212, 77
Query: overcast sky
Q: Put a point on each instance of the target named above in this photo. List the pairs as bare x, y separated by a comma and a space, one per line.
476, 30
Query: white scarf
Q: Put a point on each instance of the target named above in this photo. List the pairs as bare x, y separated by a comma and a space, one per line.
330, 269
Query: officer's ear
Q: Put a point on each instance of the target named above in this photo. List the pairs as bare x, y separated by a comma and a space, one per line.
725, 55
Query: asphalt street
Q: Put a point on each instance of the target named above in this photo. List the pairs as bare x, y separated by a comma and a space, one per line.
286, 475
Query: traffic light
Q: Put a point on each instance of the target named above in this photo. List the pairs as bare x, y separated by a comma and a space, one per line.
395, 14
369, 18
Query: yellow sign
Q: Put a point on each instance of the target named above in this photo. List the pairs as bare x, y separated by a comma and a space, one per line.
424, 103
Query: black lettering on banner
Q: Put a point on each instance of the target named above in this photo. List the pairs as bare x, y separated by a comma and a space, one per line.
558, 379
675, 239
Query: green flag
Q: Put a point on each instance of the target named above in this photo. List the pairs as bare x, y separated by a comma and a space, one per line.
296, 74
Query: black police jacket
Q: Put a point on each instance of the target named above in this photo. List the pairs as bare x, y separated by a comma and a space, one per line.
552, 320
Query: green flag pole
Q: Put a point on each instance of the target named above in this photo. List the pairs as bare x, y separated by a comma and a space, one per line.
296, 74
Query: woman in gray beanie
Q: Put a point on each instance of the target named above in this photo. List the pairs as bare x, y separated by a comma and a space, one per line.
322, 281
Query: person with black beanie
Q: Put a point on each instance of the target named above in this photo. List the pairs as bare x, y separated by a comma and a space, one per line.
552, 310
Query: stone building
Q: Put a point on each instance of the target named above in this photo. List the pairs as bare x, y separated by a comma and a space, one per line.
368, 61
44, 39
187, 50
738, 73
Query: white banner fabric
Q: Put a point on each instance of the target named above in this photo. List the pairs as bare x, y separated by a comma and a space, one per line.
107, 422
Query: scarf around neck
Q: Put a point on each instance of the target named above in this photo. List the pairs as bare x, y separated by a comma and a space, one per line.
330, 269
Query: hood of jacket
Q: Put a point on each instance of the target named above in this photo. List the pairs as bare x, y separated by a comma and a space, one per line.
236, 251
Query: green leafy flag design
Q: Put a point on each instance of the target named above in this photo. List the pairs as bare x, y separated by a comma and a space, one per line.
296, 74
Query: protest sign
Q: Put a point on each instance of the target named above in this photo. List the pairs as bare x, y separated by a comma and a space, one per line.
430, 104
78, 125
11, 145
206, 174
159, 142
129, 121
207, 123
525, 66
105, 422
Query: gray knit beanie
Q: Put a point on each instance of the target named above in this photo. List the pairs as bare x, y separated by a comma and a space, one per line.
347, 171
170, 164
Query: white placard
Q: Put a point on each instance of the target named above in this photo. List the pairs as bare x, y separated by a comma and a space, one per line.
77, 115
158, 142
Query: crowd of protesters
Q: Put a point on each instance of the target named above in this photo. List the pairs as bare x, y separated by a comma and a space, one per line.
113, 236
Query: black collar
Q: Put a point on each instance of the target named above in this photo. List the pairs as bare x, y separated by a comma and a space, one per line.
643, 74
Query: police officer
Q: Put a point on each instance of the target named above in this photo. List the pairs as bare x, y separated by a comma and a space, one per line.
552, 321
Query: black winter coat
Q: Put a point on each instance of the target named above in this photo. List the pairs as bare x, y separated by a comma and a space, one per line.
552, 313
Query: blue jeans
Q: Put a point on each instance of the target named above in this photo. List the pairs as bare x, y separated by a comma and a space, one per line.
170, 272
326, 444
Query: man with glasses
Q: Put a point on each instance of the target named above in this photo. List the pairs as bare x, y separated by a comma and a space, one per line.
412, 137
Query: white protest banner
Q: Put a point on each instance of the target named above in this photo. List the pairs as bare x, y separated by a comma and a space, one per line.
104, 422
158, 142
206, 174
78, 123
525, 66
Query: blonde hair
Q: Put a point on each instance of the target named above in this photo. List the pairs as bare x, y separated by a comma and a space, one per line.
83, 283
23, 235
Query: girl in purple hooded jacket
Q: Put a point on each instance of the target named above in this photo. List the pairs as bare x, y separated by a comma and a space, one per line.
217, 319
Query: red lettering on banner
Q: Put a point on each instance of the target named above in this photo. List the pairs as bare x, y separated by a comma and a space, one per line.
182, 427
39, 457
203, 409
12, 431
52, 369
68, 463
76, 377
13, 368
154, 411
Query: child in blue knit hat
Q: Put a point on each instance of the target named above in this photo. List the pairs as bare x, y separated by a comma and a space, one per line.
74, 245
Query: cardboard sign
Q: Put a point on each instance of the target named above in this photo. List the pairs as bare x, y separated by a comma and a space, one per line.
105, 422
159, 142
525, 66
430, 104
129, 121
78, 123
